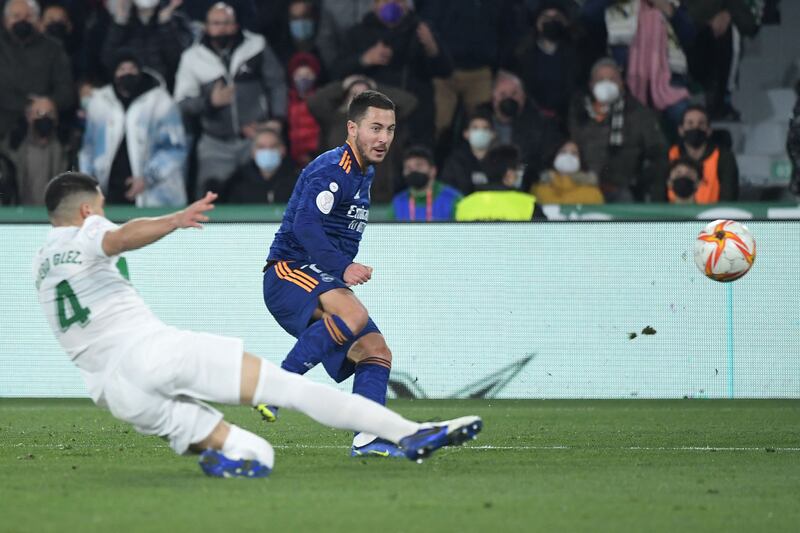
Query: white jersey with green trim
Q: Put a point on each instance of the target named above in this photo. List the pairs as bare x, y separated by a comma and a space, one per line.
89, 303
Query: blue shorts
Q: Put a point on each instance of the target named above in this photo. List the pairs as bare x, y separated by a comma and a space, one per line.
291, 293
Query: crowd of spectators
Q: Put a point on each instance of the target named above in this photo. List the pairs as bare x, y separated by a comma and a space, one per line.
572, 101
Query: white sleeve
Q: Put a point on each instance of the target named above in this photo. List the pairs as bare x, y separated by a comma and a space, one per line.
92, 232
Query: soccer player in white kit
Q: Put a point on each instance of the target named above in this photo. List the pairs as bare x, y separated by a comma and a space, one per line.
157, 377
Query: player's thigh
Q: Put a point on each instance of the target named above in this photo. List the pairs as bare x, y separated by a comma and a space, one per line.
181, 420
173, 363
292, 293
346, 305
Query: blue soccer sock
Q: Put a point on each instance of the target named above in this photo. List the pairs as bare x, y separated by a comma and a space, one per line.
371, 379
321, 340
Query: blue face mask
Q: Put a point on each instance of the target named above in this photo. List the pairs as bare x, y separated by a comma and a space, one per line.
268, 158
391, 13
301, 29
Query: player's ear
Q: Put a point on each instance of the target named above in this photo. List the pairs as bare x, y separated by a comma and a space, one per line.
352, 128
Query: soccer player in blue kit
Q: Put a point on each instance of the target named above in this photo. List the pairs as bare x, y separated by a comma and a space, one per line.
310, 267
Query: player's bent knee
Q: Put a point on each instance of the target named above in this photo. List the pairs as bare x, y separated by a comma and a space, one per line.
371, 348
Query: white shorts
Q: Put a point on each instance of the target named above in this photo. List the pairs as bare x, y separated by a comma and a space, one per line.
159, 383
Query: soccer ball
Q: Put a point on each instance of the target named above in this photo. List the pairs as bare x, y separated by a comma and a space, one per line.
725, 250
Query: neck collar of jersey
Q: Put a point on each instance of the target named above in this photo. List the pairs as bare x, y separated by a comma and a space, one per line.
354, 153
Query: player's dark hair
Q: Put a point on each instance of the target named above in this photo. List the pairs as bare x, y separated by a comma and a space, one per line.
694, 107
358, 107
65, 185
421, 151
500, 160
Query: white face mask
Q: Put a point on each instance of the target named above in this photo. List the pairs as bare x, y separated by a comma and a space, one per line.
145, 4
567, 163
480, 138
605, 91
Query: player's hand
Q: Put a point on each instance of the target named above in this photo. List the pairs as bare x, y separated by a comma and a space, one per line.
378, 55
193, 215
221, 94
136, 186
356, 274
425, 36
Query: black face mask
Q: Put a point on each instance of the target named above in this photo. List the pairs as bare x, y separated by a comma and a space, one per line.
684, 186
127, 83
22, 30
554, 30
416, 180
509, 107
222, 41
43, 126
695, 137
57, 30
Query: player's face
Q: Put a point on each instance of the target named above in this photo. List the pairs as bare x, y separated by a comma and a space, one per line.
374, 134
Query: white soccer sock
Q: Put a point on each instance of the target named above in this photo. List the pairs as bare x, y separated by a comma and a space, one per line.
327, 405
241, 444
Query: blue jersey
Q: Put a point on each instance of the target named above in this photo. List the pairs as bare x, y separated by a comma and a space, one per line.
327, 213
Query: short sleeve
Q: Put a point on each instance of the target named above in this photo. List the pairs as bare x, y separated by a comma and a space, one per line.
92, 232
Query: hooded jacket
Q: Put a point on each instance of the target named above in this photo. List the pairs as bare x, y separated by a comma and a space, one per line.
154, 136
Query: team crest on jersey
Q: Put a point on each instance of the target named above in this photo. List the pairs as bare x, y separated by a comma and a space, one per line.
325, 201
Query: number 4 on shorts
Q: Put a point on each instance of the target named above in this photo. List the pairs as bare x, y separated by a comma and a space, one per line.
66, 296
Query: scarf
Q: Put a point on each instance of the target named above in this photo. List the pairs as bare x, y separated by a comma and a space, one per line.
648, 62
617, 112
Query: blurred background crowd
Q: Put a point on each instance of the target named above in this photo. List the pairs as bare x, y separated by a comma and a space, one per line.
567, 101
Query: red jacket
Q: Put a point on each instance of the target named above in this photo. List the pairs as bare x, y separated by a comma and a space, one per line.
303, 130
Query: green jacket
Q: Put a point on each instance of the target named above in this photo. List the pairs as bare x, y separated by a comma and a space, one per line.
496, 205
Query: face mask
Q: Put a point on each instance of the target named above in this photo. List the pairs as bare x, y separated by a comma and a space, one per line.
268, 158
695, 137
554, 30
22, 30
145, 4
479, 138
303, 85
416, 179
85, 102
301, 29
57, 30
222, 41
127, 83
567, 163
43, 126
605, 91
519, 174
683, 186
391, 13
509, 107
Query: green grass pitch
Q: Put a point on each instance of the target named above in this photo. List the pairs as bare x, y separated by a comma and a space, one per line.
691, 465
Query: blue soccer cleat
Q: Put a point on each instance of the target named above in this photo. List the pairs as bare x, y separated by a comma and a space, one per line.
215, 464
268, 412
434, 436
377, 448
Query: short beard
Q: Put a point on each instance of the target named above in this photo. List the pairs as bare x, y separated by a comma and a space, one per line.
363, 156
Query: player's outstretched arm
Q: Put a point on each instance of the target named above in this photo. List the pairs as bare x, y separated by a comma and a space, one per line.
140, 232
